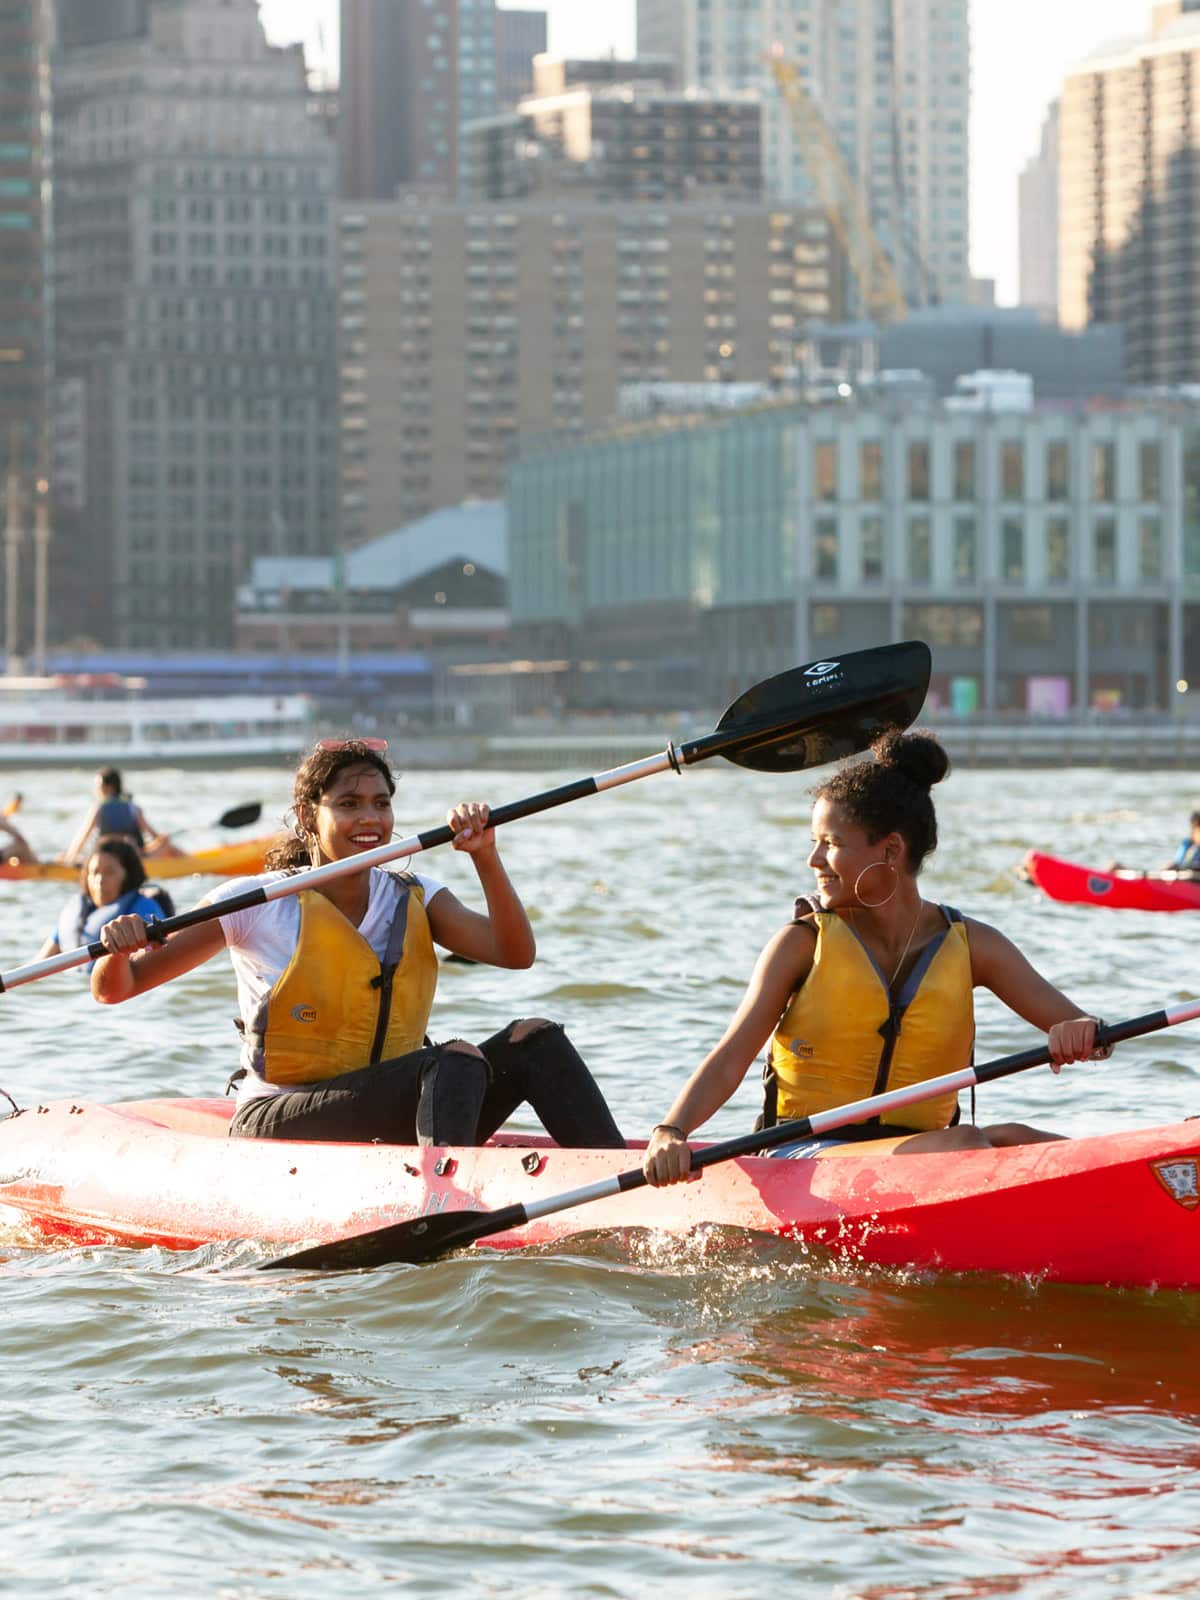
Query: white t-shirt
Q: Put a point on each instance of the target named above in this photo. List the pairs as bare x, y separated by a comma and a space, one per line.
262, 940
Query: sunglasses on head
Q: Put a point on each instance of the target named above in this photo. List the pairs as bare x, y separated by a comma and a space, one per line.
378, 745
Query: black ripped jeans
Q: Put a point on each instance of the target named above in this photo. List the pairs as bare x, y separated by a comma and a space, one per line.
441, 1095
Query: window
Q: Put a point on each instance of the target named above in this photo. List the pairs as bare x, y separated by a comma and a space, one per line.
1012, 550
870, 549
1058, 550
918, 471
827, 548
870, 470
1104, 550
943, 626
964, 470
1012, 470
920, 563
966, 550
1058, 470
1104, 472
1150, 547
1031, 625
825, 470
826, 622
1149, 470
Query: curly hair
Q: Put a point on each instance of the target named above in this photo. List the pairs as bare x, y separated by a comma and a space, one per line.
313, 778
890, 792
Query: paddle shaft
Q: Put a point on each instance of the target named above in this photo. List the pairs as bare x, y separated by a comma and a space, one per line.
406, 1238
770, 727
392, 851
748, 1144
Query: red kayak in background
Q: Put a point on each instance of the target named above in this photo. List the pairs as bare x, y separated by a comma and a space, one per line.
1118, 1208
1122, 889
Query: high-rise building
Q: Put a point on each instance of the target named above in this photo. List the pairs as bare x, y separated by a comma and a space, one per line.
632, 141
194, 313
465, 327
412, 72
520, 35
24, 110
553, 74
1038, 222
892, 80
95, 21
1129, 201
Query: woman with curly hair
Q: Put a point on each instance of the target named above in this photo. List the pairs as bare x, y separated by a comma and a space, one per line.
869, 988
336, 983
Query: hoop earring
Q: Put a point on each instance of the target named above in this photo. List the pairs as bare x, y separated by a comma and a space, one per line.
874, 905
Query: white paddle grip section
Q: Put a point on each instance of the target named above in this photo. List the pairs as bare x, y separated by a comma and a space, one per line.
635, 770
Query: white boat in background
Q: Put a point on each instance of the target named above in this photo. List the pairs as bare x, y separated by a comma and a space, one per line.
96, 718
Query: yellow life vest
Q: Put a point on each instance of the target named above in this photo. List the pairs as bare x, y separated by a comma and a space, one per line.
336, 1007
842, 1038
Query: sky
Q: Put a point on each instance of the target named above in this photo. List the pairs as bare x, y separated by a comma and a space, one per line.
1021, 50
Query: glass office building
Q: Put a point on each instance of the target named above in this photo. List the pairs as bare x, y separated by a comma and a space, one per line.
1051, 558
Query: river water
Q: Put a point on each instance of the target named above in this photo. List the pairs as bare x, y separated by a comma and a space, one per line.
615, 1417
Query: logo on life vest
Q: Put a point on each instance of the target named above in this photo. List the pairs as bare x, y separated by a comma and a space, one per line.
821, 669
1181, 1180
304, 1013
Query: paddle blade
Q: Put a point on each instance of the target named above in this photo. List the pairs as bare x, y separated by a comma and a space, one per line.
240, 816
826, 711
417, 1240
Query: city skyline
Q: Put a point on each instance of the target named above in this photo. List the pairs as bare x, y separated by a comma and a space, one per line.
1001, 57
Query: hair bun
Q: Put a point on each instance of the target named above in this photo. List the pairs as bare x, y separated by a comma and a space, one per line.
919, 756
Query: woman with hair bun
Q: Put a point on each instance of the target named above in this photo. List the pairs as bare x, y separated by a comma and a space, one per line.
869, 987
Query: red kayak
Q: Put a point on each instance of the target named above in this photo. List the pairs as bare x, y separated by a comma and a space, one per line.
1116, 1209
1123, 890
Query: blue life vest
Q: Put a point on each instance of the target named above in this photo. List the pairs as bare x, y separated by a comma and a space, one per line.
119, 816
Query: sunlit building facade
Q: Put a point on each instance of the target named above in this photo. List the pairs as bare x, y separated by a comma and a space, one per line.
464, 327
195, 307
892, 79
1129, 205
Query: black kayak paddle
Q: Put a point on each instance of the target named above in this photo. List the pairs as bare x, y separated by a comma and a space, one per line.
801, 718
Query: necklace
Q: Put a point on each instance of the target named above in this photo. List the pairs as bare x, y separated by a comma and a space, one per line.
907, 942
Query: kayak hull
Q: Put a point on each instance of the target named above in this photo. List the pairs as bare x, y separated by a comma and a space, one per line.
1118, 1209
234, 860
1120, 891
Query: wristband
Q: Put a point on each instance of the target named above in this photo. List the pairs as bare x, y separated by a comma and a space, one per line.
669, 1127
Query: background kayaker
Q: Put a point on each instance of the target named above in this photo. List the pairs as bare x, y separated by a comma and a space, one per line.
15, 849
112, 883
335, 984
115, 814
870, 987
1187, 857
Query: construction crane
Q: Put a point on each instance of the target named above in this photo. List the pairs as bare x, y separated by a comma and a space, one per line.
840, 197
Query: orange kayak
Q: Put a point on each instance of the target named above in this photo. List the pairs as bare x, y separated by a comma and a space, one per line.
222, 861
